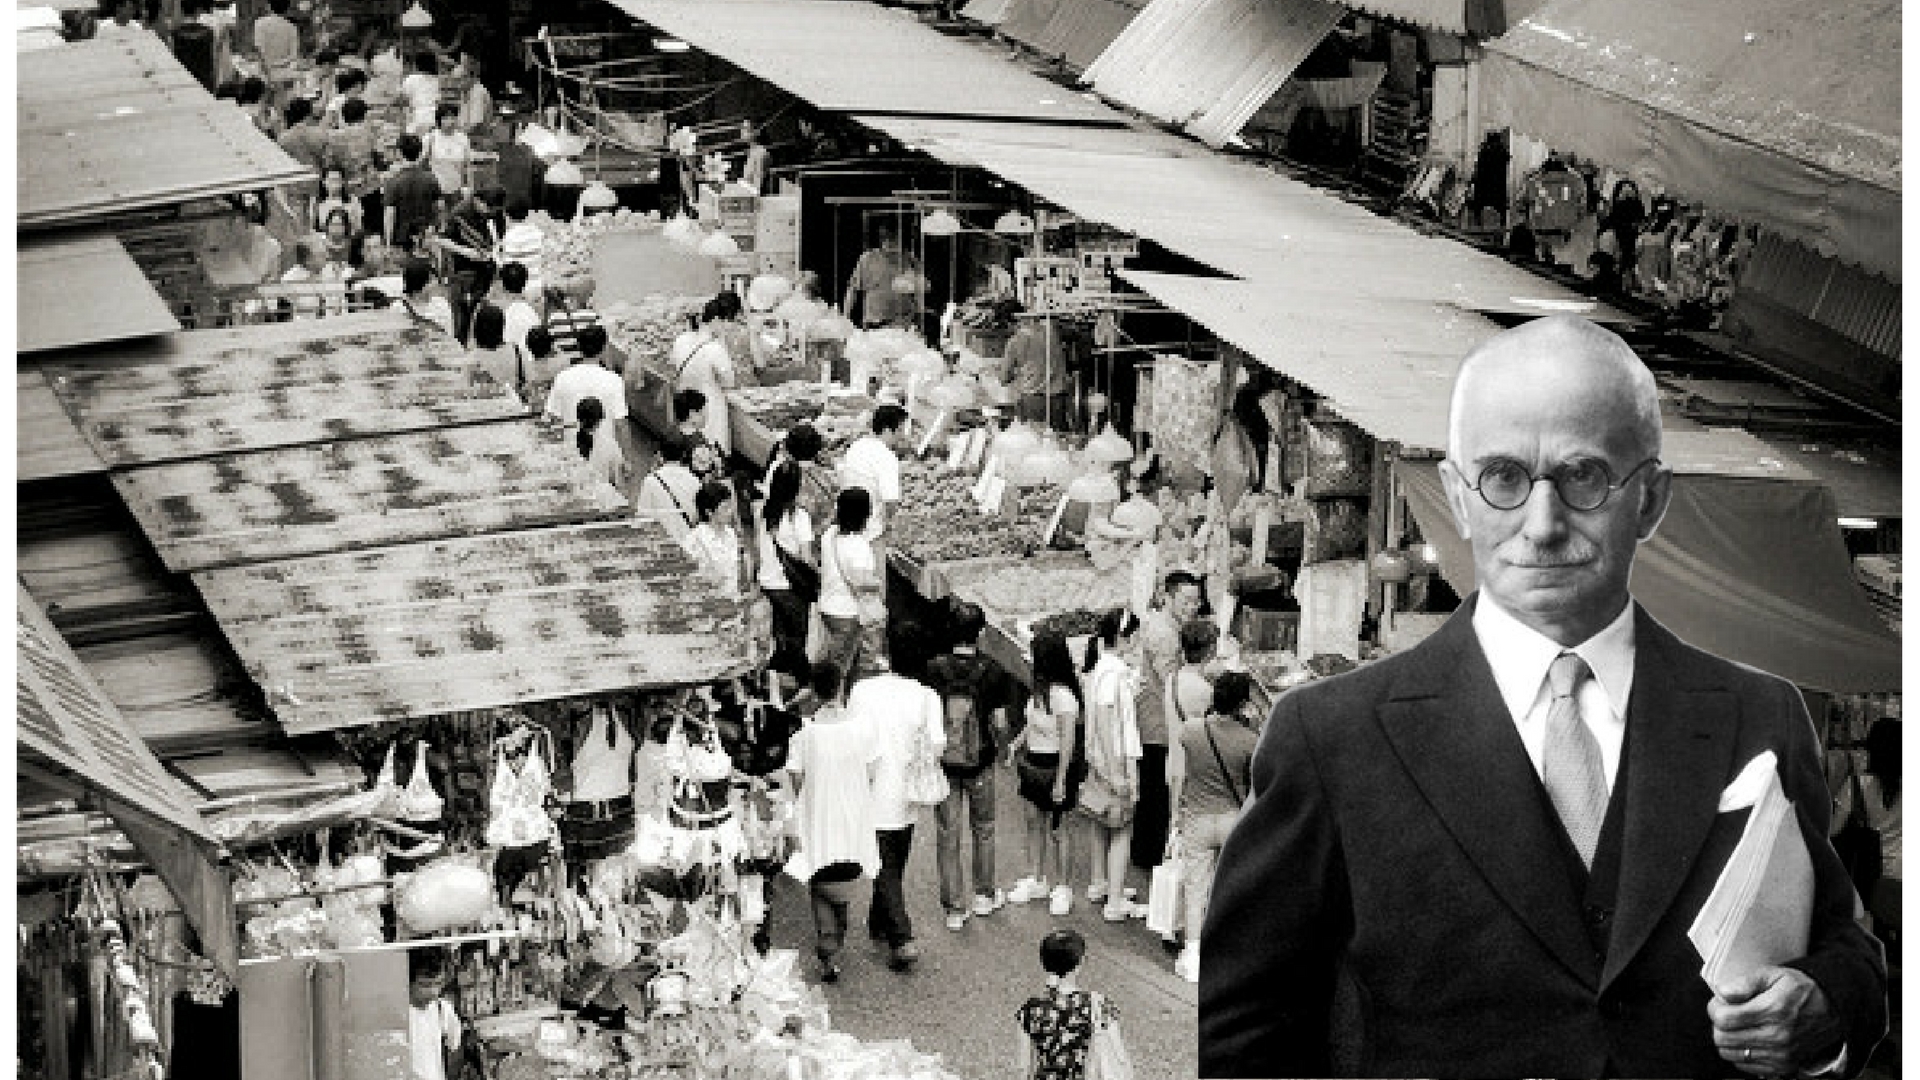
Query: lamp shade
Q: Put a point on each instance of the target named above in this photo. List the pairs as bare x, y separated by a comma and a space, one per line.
683, 231
415, 17
564, 173
1014, 222
939, 223
719, 246
598, 196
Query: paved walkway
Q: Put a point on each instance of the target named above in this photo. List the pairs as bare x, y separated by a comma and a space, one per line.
960, 1000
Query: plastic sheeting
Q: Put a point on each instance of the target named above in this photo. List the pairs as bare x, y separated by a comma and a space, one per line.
1209, 65
1751, 570
1768, 110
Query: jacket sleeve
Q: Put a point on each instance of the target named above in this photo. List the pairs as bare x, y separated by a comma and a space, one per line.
1846, 961
1277, 920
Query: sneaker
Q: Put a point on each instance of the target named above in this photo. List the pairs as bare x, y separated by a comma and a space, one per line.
1027, 890
1097, 892
905, 955
1122, 910
1061, 902
984, 904
829, 971
956, 920
1188, 966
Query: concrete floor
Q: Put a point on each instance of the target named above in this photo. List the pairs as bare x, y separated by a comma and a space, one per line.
960, 1001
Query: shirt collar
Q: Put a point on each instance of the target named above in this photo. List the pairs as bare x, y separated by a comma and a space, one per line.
1521, 655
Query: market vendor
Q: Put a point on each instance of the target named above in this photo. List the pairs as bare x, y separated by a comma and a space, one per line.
1035, 368
708, 367
877, 278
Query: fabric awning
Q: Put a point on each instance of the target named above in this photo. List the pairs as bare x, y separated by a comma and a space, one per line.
72, 737
1208, 65
860, 57
1751, 570
1760, 109
1237, 217
84, 290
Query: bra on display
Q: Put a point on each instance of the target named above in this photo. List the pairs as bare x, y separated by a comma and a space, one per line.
419, 802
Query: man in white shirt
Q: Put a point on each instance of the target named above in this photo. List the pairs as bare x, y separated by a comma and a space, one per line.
433, 1028
1481, 856
873, 462
521, 317
584, 379
904, 715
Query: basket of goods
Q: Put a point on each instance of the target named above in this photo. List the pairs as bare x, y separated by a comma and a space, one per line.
1339, 460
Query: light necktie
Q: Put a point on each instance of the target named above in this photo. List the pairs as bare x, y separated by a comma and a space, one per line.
1571, 767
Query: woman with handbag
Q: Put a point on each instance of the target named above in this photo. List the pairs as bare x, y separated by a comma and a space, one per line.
1217, 755
852, 608
1112, 788
1070, 1033
1050, 757
714, 543
789, 574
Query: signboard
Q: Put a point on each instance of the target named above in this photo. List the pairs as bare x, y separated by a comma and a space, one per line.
1046, 284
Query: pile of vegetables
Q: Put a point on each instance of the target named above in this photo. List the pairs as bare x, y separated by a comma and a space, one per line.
938, 520
567, 255
646, 330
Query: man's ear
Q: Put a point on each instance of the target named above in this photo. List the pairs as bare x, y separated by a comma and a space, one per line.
1655, 496
1457, 495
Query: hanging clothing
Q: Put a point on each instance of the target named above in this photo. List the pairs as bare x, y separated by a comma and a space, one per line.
1186, 410
603, 761
517, 803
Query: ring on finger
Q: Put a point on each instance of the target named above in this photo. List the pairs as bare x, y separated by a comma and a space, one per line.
1747, 1054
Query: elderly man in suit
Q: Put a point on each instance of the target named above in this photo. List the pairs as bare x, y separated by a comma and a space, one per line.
1480, 857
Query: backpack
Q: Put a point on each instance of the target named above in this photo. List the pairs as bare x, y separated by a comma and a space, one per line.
960, 714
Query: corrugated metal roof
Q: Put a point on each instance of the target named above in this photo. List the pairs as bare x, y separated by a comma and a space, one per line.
1772, 111
112, 125
1447, 16
341, 496
1073, 31
46, 441
1208, 65
990, 12
258, 387
1388, 367
860, 57
82, 290
1234, 216
67, 722
477, 622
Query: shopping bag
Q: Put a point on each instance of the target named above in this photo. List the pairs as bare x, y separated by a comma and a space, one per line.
926, 781
816, 636
1107, 1057
1163, 899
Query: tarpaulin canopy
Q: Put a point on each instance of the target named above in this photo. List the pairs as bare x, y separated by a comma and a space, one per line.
1208, 65
1773, 111
72, 737
1751, 570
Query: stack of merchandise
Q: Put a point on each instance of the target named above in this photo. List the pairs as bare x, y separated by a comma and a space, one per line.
939, 521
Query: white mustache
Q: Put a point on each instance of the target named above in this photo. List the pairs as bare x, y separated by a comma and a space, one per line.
1534, 558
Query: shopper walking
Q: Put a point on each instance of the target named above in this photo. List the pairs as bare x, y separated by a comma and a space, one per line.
410, 197
1215, 774
449, 149
1049, 755
277, 41
873, 462
714, 541
493, 354
1111, 794
834, 760
851, 608
668, 492
1069, 1033
904, 716
596, 445
789, 573
420, 300
973, 697
709, 368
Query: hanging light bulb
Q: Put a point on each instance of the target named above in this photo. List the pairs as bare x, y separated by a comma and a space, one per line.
719, 246
1015, 223
564, 173
940, 223
416, 17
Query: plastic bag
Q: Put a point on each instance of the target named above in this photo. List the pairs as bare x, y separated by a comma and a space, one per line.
447, 893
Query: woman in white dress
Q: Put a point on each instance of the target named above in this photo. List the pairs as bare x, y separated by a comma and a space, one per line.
1112, 788
833, 760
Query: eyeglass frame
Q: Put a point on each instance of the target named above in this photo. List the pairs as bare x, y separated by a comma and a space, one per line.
1533, 481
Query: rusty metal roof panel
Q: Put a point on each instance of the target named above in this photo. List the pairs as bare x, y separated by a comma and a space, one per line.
342, 496
255, 388
476, 622
46, 441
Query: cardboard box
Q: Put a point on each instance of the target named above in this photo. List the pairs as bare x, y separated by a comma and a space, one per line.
778, 224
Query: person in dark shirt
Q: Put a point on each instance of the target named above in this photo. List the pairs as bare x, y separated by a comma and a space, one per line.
472, 233
976, 700
521, 173
411, 196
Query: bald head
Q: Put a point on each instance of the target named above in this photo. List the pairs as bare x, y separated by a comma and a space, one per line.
1566, 362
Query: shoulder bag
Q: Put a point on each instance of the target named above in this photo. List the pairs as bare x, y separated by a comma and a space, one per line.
802, 580
1219, 759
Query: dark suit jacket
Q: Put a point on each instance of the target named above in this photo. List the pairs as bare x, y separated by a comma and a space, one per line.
1395, 900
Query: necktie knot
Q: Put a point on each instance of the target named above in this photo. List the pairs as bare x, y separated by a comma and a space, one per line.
1567, 674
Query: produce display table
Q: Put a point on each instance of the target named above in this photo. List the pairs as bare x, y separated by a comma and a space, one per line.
1016, 592
752, 439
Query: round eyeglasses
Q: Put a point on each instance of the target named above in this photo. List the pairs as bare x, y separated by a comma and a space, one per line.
1581, 485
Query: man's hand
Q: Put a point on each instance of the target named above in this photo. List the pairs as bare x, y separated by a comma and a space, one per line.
1776, 1023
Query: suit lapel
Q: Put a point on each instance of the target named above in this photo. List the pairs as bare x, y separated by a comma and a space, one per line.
1454, 737
1680, 746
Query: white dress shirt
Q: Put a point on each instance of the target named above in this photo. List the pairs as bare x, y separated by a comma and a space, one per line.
1520, 657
